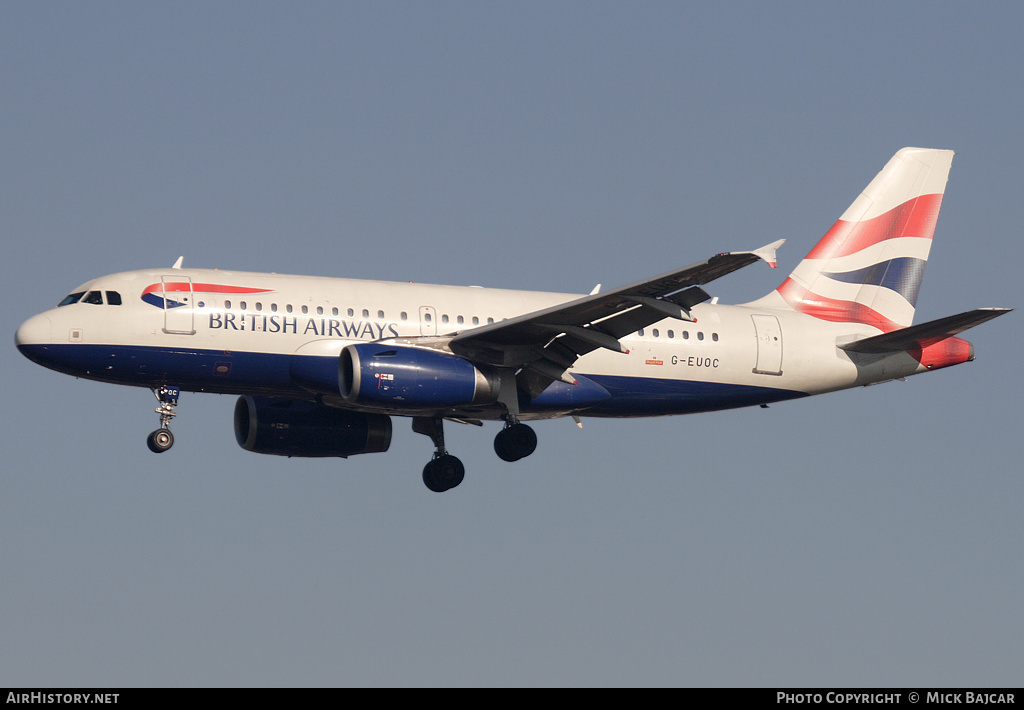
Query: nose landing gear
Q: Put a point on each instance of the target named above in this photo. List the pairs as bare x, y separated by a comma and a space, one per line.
162, 439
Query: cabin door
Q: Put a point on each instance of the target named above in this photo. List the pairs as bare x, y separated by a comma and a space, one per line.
179, 305
769, 345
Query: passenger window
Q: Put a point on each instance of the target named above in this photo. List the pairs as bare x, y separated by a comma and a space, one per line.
72, 298
94, 297
700, 335
686, 335
305, 309
405, 316
227, 304
444, 318
490, 320
426, 317
655, 332
113, 298
319, 310
671, 334
366, 313
476, 321
460, 320
259, 306
241, 305
714, 336
351, 312
640, 332
334, 311
380, 314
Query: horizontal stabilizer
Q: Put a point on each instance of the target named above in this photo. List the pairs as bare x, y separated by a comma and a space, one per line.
925, 334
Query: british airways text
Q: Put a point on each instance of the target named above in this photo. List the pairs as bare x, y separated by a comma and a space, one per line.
322, 327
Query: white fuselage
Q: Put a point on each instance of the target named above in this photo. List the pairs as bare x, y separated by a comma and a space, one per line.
238, 332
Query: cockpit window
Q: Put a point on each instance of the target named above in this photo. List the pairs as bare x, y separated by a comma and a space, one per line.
71, 298
95, 297
113, 298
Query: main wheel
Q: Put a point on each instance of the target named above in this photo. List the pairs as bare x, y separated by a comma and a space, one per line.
515, 442
443, 473
160, 440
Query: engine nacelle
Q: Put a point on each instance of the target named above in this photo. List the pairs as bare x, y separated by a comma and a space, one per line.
397, 377
291, 427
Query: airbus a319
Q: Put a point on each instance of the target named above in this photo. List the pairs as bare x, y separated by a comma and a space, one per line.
321, 365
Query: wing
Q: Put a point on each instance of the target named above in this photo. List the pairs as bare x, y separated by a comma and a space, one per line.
544, 344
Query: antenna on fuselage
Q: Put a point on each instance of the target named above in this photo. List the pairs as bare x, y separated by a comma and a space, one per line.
177, 264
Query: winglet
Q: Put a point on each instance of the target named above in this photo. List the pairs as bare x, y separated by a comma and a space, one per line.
177, 264
767, 252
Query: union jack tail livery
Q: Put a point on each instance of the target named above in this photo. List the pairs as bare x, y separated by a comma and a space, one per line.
868, 267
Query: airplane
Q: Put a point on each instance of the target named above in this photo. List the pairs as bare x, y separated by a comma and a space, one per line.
321, 365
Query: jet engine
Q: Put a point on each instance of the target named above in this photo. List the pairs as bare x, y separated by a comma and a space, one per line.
398, 377
291, 427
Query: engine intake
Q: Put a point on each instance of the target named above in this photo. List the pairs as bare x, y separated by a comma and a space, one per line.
398, 377
291, 427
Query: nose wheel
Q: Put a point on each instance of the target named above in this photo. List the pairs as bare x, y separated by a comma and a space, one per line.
162, 439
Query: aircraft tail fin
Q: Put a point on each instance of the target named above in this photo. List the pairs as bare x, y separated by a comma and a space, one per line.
868, 267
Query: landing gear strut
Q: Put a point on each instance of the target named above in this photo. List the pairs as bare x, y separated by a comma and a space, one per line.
516, 441
443, 472
162, 439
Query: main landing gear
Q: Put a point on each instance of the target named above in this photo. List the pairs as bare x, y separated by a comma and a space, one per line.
162, 439
516, 441
444, 471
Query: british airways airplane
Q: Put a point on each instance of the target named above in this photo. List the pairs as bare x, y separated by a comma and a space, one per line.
322, 364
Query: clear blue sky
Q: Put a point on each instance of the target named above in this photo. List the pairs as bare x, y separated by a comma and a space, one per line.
869, 537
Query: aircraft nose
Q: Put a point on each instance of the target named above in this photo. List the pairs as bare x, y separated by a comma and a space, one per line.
35, 331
